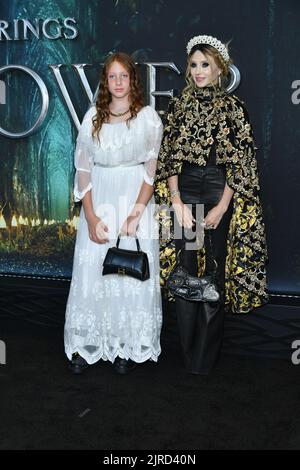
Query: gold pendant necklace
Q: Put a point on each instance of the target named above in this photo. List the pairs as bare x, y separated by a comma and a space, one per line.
118, 114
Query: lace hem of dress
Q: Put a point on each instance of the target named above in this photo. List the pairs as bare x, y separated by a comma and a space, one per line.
110, 353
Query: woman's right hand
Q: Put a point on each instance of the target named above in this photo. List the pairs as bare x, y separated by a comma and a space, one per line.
97, 230
183, 213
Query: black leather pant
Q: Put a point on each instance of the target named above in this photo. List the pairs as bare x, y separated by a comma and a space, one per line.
201, 323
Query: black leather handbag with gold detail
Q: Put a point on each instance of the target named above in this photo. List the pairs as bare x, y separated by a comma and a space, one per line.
133, 263
192, 288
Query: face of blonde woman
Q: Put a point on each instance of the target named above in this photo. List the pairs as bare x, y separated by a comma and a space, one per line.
204, 70
118, 80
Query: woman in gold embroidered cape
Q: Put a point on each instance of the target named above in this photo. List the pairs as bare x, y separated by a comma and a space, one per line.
186, 138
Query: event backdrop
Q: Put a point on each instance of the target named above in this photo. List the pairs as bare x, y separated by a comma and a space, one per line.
38, 216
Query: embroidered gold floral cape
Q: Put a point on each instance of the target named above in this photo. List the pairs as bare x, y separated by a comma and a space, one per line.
195, 122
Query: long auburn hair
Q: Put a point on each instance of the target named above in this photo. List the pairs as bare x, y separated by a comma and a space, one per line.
104, 96
207, 50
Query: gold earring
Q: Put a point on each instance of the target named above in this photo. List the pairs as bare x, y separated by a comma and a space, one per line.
219, 81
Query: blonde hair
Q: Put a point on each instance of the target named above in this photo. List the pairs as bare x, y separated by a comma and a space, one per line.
210, 51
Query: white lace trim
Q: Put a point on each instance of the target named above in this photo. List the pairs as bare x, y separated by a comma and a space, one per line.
78, 195
106, 355
115, 136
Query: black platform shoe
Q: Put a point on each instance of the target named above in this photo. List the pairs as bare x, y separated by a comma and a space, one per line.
77, 365
123, 366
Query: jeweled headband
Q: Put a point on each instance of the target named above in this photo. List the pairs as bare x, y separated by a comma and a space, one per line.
212, 42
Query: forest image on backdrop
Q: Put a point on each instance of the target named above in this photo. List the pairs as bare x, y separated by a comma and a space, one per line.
38, 217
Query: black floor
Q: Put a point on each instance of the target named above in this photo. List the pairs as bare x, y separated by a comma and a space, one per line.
246, 403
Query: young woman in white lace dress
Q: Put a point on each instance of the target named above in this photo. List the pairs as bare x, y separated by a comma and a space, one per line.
114, 317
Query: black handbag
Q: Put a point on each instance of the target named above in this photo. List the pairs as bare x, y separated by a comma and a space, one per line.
192, 288
132, 263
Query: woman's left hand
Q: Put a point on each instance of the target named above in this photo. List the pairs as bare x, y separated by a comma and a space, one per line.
214, 216
130, 225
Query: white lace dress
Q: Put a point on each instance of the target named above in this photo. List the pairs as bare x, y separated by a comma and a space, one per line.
115, 315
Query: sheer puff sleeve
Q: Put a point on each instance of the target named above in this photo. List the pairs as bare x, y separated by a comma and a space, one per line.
154, 135
83, 160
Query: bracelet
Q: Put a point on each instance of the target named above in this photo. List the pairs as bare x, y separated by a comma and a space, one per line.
174, 192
